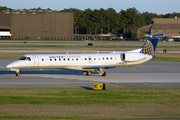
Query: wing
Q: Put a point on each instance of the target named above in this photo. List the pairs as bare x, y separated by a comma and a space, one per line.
107, 66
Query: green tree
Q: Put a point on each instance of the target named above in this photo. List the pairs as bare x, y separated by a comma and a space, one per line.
5, 8
77, 18
88, 20
131, 21
147, 18
112, 20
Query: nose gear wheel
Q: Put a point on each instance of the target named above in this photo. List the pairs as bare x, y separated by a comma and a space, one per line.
17, 74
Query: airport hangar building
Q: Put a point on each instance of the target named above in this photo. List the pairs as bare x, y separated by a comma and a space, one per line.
36, 25
166, 26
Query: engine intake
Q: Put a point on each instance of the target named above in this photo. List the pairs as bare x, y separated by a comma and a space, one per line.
130, 57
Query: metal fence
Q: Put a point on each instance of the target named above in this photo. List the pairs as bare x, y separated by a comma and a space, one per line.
66, 38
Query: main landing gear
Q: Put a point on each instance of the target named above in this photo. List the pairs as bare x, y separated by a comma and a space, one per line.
87, 73
101, 72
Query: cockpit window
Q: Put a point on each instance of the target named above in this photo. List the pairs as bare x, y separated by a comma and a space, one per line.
28, 59
22, 58
25, 58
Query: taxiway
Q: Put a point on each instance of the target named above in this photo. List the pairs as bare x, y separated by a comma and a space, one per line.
152, 74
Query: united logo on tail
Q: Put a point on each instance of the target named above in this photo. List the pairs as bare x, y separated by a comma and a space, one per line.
149, 46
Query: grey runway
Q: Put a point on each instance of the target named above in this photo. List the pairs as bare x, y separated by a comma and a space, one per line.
152, 74
80, 43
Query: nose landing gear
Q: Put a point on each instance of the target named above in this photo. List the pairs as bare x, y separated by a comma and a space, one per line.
101, 72
17, 74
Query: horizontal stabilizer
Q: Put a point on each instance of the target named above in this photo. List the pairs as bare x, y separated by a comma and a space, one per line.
158, 35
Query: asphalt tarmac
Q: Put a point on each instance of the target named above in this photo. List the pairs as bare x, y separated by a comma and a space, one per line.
81, 43
85, 44
152, 74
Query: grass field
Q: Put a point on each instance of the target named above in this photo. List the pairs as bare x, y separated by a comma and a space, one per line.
116, 103
167, 57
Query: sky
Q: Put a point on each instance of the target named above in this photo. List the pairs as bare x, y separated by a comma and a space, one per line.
151, 6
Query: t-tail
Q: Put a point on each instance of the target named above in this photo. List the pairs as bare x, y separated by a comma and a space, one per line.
149, 46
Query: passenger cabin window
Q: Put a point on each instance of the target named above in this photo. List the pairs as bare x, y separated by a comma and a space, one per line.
107, 58
72, 59
89, 58
54, 59
111, 58
94, 58
50, 59
68, 59
76, 58
85, 58
42, 59
59, 59
103, 58
64, 59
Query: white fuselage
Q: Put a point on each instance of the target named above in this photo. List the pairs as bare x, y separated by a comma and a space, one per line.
74, 61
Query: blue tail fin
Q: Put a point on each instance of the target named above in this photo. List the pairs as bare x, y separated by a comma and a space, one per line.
149, 46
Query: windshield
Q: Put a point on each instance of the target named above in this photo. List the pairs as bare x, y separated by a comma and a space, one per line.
22, 58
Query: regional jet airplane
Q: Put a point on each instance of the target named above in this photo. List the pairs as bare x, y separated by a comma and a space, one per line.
88, 63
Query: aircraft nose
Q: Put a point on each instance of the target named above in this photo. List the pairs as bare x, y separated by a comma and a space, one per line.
13, 64
10, 65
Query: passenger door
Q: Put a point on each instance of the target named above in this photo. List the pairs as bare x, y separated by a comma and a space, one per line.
36, 61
